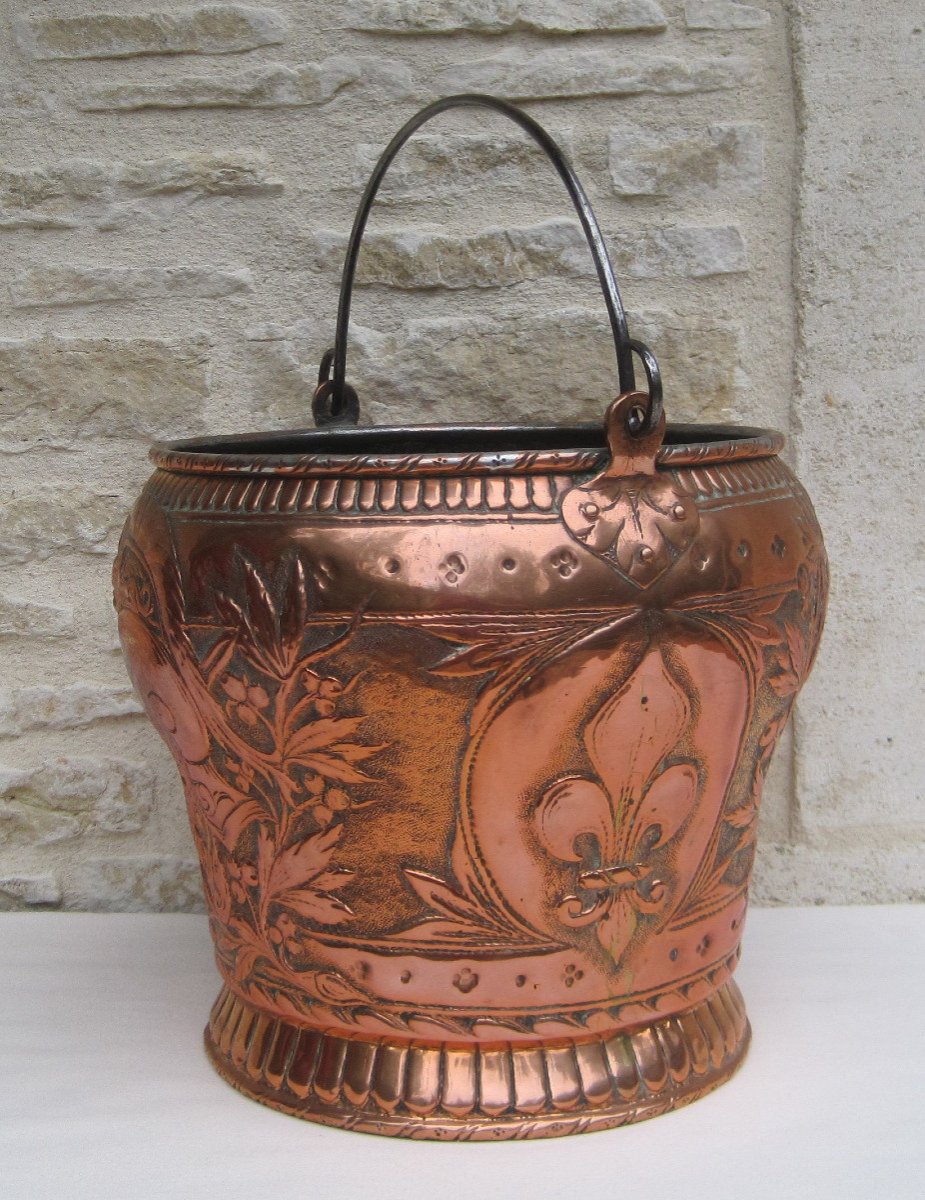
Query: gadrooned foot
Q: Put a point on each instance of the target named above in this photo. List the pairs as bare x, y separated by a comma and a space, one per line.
471, 1092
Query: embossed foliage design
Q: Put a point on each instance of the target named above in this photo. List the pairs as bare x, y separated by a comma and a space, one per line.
271, 757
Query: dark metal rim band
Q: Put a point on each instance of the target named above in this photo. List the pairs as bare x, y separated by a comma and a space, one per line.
729, 444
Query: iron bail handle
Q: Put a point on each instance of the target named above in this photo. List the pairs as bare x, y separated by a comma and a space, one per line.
335, 402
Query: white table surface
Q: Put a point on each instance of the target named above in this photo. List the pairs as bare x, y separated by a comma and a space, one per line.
105, 1090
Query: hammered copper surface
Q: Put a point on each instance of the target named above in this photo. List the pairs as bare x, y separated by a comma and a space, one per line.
473, 747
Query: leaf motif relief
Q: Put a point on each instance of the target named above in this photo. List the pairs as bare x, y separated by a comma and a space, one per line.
335, 765
300, 879
262, 622
293, 617
302, 862
266, 623
510, 652
271, 698
640, 524
317, 905
227, 813
455, 919
214, 878
231, 613
775, 630
748, 620
791, 661
495, 645
440, 897
322, 732
317, 746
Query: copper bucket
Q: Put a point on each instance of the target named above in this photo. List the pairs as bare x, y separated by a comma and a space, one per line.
473, 724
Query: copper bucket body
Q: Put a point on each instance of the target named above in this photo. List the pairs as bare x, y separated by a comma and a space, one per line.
473, 725
475, 808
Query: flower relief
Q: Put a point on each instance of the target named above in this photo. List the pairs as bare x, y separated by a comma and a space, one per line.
245, 703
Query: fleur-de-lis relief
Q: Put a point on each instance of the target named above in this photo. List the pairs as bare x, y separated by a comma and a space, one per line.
618, 829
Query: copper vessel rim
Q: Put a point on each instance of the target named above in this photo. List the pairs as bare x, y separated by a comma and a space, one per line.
441, 449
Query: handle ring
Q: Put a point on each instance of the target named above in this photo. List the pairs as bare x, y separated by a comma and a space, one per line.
641, 420
330, 407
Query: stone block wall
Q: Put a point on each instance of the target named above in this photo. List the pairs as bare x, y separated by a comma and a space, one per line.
176, 184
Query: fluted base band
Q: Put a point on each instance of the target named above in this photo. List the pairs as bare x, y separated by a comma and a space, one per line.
477, 1093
